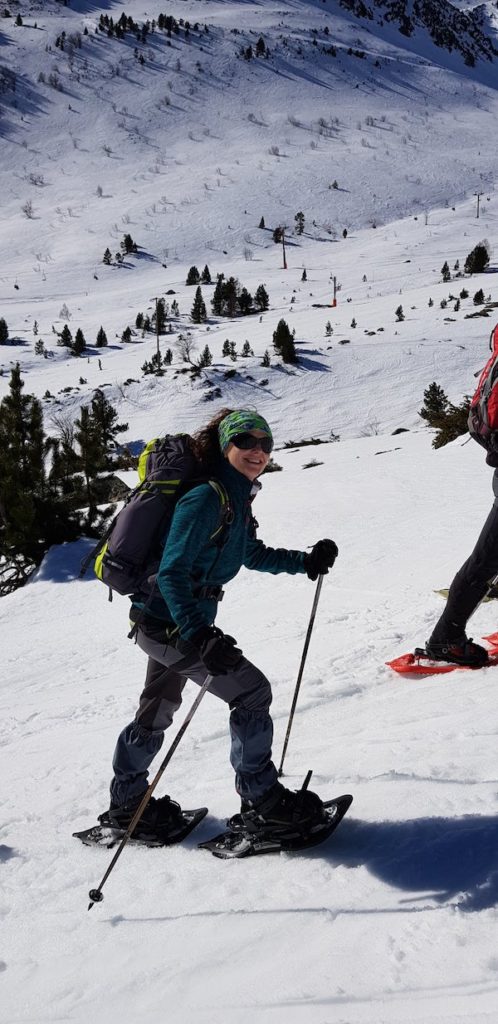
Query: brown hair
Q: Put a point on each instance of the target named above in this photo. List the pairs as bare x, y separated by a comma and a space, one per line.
205, 442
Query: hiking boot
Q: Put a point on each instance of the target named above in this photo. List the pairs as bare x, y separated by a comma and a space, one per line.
160, 815
461, 652
282, 808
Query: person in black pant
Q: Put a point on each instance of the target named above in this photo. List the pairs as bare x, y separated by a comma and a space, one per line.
449, 641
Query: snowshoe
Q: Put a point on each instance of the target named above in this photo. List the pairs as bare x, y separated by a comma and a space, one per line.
243, 838
108, 834
422, 663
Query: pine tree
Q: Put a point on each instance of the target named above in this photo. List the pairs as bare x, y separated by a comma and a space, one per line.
107, 257
304, 276
217, 300
262, 223
65, 337
247, 350
205, 358
34, 513
283, 342
193, 276
101, 338
478, 299
128, 245
266, 358
206, 276
139, 322
91, 459
445, 271
450, 421
154, 365
455, 424
230, 293
226, 348
79, 343
477, 260
435, 405
159, 317
245, 302
4, 332
22, 471
261, 299
400, 316
198, 313
105, 419
126, 335
328, 329
299, 219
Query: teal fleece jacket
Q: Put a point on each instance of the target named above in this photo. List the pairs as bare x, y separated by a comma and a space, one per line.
191, 559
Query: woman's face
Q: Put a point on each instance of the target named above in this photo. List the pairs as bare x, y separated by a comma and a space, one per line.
251, 461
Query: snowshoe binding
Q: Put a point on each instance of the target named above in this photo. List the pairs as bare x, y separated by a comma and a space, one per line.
463, 652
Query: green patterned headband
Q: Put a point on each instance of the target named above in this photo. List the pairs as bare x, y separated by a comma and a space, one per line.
237, 423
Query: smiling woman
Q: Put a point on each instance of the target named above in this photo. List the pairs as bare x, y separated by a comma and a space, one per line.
246, 441
176, 630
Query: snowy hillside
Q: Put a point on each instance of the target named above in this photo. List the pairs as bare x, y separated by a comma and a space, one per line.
392, 920
386, 143
191, 147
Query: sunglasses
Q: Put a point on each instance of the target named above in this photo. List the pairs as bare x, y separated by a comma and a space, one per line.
246, 442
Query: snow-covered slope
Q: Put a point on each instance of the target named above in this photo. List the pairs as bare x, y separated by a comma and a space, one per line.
395, 918
192, 147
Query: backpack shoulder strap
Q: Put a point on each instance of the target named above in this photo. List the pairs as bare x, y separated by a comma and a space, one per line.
226, 512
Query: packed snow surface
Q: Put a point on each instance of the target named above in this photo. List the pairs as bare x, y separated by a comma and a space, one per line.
394, 918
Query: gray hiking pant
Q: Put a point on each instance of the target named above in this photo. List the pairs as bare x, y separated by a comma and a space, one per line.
245, 689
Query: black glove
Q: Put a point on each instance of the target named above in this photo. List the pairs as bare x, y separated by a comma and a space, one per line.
217, 651
320, 559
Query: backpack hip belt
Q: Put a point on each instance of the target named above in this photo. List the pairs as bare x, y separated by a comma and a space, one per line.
209, 593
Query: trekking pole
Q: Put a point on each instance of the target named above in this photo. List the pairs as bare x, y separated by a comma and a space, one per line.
96, 894
301, 669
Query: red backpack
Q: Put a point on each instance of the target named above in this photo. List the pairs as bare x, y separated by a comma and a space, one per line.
483, 414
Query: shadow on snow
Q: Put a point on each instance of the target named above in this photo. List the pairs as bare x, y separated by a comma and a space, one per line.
440, 857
